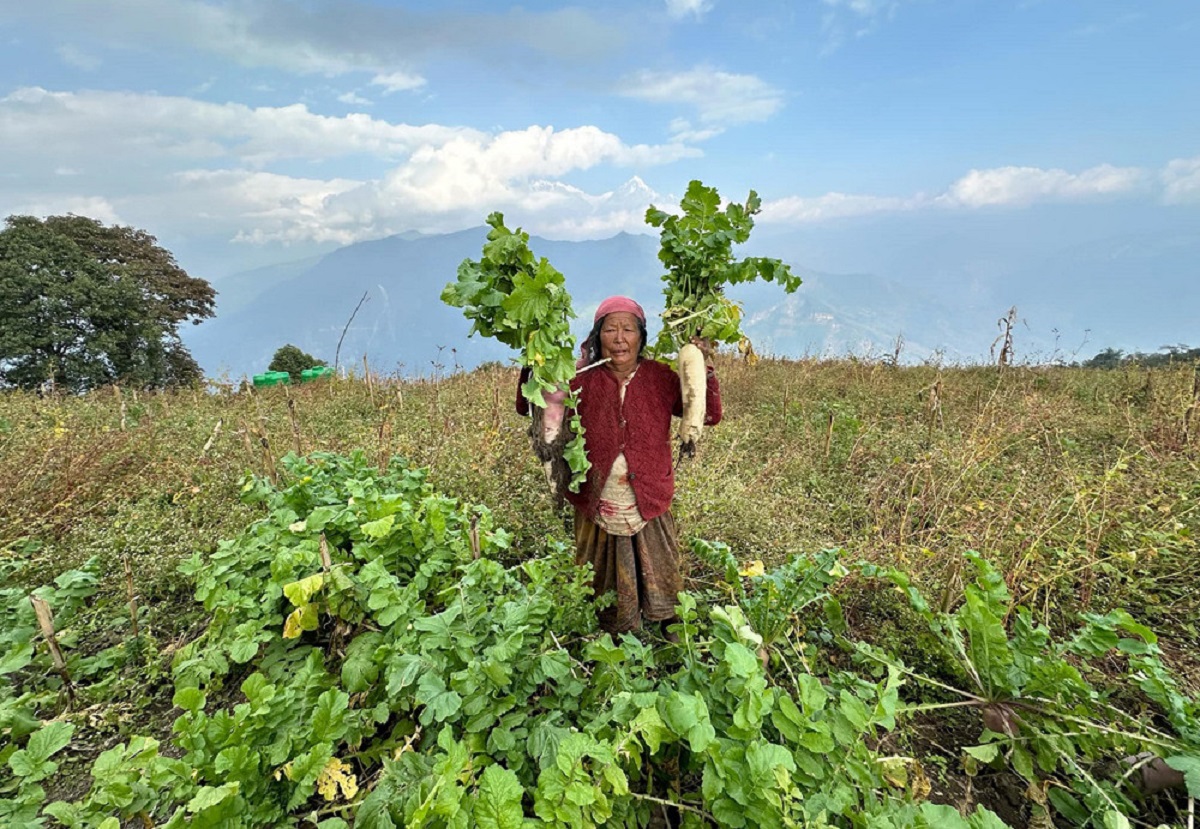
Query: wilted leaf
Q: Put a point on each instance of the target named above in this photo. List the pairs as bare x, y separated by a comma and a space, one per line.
334, 776
301, 619
300, 592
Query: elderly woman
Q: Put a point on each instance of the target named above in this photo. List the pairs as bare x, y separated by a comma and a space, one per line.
623, 523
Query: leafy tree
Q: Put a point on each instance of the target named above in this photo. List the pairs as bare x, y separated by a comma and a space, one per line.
84, 304
1108, 358
1167, 355
291, 359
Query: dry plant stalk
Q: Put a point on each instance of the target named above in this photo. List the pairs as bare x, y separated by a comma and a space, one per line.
245, 433
120, 404
46, 622
326, 561
133, 608
384, 438
1190, 413
208, 444
370, 384
268, 462
934, 409
829, 435
1006, 324
291, 405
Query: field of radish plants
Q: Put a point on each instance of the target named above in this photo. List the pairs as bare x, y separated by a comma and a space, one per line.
917, 597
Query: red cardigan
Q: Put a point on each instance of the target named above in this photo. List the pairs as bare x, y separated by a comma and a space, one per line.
641, 428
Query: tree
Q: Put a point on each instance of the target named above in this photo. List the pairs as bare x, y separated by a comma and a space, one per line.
84, 304
291, 359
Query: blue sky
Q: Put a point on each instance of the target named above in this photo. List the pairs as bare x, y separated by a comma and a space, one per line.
262, 130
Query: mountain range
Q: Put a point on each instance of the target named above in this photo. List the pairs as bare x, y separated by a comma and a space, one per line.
936, 294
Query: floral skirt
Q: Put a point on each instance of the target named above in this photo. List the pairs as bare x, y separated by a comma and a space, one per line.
641, 569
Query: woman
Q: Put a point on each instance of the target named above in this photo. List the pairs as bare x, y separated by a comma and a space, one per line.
623, 524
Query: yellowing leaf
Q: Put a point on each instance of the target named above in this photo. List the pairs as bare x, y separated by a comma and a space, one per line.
298, 527
300, 592
754, 568
336, 776
301, 619
906, 773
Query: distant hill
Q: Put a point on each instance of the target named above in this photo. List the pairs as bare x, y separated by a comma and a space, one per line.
941, 283
404, 327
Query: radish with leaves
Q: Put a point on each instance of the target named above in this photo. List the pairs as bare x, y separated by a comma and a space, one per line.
696, 246
520, 300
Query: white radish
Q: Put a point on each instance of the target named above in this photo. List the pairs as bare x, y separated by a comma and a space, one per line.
552, 418
693, 383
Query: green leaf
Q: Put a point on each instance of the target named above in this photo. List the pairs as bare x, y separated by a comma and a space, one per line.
208, 796
1068, 806
359, 670
498, 802
49, 740
1115, 820
440, 703
983, 818
243, 650
942, 817
1022, 763
741, 660
687, 716
380, 528
189, 699
650, 727
985, 753
403, 672
17, 658
329, 718
988, 648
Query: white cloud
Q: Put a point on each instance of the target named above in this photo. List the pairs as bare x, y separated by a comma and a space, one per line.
1011, 187
37, 125
328, 38
683, 131
76, 57
718, 97
1181, 181
244, 172
465, 178
868, 9
682, 8
1026, 185
865, 16
798, 210
355, 99
95, 207
398, 81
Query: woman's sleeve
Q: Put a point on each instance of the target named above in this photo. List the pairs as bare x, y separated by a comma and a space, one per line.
712, 399
522, 403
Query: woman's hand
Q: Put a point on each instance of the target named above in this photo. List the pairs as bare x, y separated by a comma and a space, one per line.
707, 347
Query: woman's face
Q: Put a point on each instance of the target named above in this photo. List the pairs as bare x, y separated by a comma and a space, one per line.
620, 340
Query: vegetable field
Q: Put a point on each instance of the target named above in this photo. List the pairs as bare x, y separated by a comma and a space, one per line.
917, 597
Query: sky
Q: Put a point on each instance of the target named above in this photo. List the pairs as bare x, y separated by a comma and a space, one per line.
255, 131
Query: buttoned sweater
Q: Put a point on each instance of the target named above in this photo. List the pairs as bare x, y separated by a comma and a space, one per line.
639, 427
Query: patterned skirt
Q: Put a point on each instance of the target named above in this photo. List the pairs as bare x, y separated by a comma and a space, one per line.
641, 569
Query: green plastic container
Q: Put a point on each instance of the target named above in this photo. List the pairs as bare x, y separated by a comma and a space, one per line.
315, 373
271, 378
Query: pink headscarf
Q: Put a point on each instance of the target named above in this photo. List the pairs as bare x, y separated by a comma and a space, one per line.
619, 303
